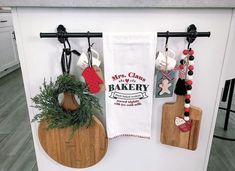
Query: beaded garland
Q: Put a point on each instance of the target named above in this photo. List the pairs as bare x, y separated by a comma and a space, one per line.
187, 65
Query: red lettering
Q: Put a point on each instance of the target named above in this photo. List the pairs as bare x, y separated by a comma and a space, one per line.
134, 75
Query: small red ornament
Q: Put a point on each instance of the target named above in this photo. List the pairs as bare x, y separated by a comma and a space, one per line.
181, 66
187, 96
187, 109
184, 126
190, 67
191, 52
189, 82
92, 79
185, 52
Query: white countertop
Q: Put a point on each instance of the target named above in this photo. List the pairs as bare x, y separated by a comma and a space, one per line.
121, 3
5, 10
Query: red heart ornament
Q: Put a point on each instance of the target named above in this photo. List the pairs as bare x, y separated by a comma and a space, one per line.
183, 125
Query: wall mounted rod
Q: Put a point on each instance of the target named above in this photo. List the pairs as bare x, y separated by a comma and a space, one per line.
183, 34
67, 35
99, 34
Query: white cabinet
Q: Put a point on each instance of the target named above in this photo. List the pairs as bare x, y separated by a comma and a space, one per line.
8, 50
41, 59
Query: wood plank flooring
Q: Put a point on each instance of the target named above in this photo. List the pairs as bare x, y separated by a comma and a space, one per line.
16, 143
222, 156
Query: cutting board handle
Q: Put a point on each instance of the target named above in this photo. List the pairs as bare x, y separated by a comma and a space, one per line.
69, 102
180, 100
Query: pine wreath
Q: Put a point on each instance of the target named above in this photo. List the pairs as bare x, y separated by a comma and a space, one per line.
51, 111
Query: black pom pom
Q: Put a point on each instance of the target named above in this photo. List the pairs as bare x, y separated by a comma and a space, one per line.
190, 72
187, 101
186, 113
189, 87
182, 61
191, 57
180, 88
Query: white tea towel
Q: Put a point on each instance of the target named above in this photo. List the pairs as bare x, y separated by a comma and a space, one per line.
129, 60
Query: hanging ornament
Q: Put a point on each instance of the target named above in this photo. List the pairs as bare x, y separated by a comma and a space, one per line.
165, 83
70, 124
93, 80
184, 87
165, 63
182, 124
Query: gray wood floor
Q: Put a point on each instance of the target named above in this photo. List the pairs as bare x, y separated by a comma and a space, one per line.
16, 144
222, 156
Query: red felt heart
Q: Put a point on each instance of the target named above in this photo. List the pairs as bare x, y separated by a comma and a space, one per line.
183, 125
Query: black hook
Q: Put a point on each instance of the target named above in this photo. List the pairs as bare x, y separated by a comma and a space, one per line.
192, 30
189, 45
66, 52
89, 52
166, 44
61, 33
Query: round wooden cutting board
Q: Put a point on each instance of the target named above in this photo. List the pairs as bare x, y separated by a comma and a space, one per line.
86, 148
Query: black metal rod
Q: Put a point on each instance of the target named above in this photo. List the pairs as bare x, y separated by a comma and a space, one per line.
183, 34
230, 98
66, 35
99, 34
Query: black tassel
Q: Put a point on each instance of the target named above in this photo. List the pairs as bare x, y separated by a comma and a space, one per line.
180, 88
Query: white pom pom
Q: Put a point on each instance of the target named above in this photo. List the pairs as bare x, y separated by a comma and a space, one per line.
186, 118
189, 92
187, 105
191, 63
189, 77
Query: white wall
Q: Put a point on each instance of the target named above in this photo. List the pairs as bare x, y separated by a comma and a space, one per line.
40, 58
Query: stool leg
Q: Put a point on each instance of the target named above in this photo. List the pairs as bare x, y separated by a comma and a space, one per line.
230, 98
226, 88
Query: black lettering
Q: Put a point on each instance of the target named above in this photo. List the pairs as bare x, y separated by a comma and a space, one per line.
117, 87
124, 87
145, 87
111, 87
138, 87
131, 87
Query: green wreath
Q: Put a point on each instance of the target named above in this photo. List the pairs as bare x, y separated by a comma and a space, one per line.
51, 111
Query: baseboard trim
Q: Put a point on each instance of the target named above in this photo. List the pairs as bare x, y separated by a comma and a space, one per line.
9, 70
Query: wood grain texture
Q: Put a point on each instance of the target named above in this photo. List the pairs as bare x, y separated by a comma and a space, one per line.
87, 147
69, 102
170, 134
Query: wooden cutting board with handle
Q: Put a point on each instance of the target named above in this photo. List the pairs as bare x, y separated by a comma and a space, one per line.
170, 133
87, 147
